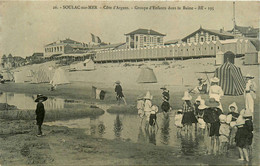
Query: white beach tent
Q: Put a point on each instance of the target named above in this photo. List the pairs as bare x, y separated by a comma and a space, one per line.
59, 77
88, 64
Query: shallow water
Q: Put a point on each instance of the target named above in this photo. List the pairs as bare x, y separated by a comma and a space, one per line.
128, 127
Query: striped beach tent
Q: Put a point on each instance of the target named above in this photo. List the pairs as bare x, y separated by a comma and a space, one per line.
230, 79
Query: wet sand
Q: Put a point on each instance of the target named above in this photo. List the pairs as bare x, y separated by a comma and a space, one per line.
64, 146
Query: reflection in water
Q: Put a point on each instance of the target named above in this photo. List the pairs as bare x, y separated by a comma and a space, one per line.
189, 144
26, 102
101, 129
118, 126
152, 138
165, 134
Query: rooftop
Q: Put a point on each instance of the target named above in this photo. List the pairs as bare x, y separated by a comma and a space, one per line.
145, 32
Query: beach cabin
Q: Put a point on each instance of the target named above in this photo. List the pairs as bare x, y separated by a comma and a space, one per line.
88, 64
218, 46
185, 48
192, 49
198, 49
212, 48
229, 45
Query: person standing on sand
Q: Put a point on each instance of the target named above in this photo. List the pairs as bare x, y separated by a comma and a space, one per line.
250, 93
40, 112
119, 93
215, 91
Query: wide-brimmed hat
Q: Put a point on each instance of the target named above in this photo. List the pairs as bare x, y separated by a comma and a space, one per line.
198, 98
249, 76
179, 110
202, 105
211, 102
215, 79
163, 88
187, 96
200, 78
233, 105
148, 96
140, 97
117, 82
41, 97
248, 113
223, 118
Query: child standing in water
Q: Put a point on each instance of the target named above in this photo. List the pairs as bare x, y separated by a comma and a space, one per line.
201, 109
140, 106
177, 121
147, 108
224, 132
188, 112
40, 112
231, 118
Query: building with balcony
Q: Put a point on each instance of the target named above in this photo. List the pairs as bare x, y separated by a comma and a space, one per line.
142, 38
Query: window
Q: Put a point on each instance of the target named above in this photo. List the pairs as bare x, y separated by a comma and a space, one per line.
202, 39
158, 40
145, 39
205, 48
136, 38
127, 39
60, 48
187, 49
211, 48
212, 38
218, 47
85, 64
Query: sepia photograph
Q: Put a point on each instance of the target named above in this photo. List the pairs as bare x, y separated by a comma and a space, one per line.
129, 83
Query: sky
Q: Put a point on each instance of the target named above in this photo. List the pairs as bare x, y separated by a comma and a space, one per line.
25, 27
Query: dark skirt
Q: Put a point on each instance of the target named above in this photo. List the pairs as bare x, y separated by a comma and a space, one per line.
152, 119
189, 118
39, 120
241, 137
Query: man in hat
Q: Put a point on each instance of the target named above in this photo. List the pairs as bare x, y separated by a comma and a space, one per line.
211, 117
165, 92
40, 112
119, 93
250, 93
215, 91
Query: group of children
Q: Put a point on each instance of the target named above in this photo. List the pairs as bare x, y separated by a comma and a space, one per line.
208, 117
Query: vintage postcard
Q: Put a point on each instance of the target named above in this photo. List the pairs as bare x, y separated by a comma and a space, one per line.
129, 83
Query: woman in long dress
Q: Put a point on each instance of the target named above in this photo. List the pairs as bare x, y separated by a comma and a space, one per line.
250, 93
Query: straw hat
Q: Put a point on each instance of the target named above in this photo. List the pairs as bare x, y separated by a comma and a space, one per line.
179, 110
117, 82
223, 118
140, 97
198, 98
215, 79
212, 103
148, 96
249, 76
202, 104
186, 96
163, 88
41, 97
248, 113
233, 105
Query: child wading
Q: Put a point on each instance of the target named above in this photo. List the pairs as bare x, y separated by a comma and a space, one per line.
40, 112
140, 107
244, 135
224, 132
153, 118
147, 108
201, 109
188, 115
211, 117
231, 118
165, 105
119, 93
177, 121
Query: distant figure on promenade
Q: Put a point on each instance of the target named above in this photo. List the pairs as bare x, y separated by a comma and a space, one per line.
215, 91
40, 112
119, 93
250, 93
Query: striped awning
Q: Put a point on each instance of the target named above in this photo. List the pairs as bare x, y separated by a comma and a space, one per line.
230, 79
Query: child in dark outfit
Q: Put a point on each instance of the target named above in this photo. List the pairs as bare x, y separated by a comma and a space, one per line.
211, 117
40, 112
165, 105
119, 93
